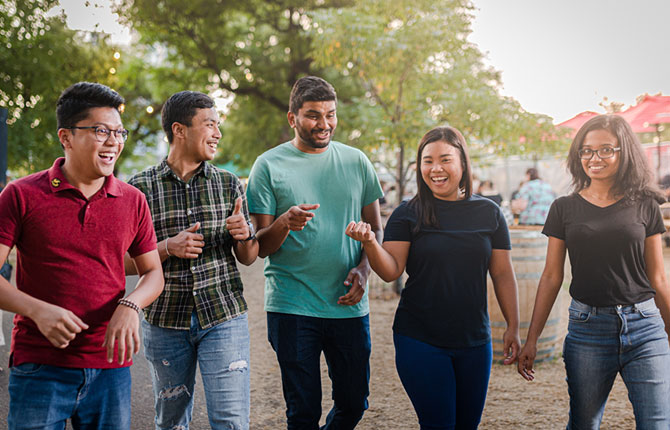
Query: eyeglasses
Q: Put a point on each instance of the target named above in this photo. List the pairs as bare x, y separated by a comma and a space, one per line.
102, 133
604, 152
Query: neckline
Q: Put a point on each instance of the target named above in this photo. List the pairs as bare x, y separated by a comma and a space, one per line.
595, 205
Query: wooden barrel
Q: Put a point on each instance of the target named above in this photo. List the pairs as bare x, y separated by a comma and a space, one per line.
529, 250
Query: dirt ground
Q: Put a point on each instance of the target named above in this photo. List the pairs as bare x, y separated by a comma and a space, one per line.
512, 402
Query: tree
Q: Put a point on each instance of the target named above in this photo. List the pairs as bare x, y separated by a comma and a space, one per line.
418, 70
40, 58
251, 52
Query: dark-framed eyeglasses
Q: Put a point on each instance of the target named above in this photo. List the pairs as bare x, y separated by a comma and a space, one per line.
604, 152
103, 133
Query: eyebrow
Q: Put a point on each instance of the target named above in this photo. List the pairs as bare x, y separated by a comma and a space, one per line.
319, 112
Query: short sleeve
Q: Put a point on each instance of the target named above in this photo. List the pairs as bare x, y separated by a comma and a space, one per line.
399, 225
145, 239
554, 225
654, 224
500, 238
524, 192
238, 191
10, 215
372, 188
260, 197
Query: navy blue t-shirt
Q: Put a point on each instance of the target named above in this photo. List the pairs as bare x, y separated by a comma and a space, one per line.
444, 300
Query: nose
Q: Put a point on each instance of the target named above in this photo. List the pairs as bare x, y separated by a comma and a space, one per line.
217, 133
322, 123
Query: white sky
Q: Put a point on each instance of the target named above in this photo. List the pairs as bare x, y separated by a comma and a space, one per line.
557, 57
561, 57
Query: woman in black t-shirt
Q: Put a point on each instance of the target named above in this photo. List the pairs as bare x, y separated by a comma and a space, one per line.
447, 239
611, 227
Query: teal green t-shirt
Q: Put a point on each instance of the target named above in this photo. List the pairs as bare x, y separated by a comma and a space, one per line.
306, 275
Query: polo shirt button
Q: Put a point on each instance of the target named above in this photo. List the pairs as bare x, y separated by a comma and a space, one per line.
188, 212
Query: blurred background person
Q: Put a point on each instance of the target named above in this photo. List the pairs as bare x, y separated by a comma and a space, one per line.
533, 200
488, 190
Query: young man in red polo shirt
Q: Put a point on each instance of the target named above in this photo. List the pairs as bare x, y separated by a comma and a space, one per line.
74, 332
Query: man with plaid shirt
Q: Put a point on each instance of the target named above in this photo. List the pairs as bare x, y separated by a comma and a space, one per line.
201, 220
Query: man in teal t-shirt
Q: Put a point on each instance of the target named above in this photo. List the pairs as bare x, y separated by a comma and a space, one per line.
301, 195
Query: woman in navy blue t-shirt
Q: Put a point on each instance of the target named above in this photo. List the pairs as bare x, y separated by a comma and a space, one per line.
447, 239
611, 227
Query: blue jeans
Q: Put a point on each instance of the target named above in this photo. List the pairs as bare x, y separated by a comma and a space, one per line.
222, 352
447, 386
298, 341
45, 397
604, 341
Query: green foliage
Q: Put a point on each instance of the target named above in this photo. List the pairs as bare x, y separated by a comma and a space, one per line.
41, 57
419, 71
253, 50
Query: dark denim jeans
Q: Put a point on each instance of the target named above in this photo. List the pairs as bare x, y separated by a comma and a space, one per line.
45, 397
298, 341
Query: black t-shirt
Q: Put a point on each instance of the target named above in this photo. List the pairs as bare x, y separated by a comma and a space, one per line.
606, 247
444, 300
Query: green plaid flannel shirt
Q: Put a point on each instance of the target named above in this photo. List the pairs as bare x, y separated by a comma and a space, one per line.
210, 283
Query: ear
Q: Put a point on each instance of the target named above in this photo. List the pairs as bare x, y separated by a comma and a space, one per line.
291, 119
65, 137
178, 130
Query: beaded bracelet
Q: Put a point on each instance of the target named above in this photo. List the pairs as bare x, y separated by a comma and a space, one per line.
131, 305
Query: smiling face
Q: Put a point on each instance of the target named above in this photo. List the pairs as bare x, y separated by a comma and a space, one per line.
88, 157
314, 125
442, 170
601, 169
202, 136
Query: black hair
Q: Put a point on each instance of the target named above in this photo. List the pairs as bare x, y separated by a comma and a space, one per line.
310, 89
181, 107
424, 201
75, 102
533, 174
634, 178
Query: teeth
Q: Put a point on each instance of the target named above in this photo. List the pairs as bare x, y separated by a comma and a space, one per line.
439, 178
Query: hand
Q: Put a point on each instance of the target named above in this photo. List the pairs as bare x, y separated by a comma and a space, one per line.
511, 345
526, 360
296, 217
60, 326
356, 279
123, 329
187, 244
360, 231
236, 224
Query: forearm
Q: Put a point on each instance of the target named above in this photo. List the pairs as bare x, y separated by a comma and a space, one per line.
17, 302
547, 291
505, 288
271, 238
148, 288
246, 251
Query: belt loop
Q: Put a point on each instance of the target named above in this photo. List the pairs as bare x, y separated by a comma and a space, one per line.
594, 310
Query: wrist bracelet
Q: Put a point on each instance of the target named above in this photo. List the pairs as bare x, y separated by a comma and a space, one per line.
131, 305
167, 251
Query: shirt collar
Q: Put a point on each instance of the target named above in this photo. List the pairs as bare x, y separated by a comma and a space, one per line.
58, 182
164, 170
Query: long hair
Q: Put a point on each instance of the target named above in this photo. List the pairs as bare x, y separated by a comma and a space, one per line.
424, 201
634, 179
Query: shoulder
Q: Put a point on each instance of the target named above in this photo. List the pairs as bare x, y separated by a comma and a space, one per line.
223, 175
348, 151
482, 202
146, 176
281, 150
33, 183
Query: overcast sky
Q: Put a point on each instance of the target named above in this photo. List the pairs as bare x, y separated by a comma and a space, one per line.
557, 57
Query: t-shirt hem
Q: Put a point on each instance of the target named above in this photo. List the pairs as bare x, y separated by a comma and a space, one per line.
306, 313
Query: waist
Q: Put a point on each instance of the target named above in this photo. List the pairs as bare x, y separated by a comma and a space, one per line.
627, 308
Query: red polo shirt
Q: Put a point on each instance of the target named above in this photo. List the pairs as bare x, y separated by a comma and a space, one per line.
70, 253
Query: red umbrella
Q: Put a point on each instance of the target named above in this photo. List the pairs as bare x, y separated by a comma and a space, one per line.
577, 121
644, 116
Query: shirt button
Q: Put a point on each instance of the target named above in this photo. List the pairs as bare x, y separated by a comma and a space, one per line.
188, 186
192, 268
195, 294
189, 212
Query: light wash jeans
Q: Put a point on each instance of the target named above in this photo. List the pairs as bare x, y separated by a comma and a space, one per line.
45, 397
222, 352
604, 341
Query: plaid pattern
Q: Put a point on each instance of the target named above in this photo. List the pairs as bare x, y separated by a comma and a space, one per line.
211, 282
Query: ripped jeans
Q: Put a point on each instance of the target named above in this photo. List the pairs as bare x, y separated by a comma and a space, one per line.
222, 352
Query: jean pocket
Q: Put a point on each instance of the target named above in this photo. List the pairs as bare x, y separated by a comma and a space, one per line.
649, 312
578, 316
27, 368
